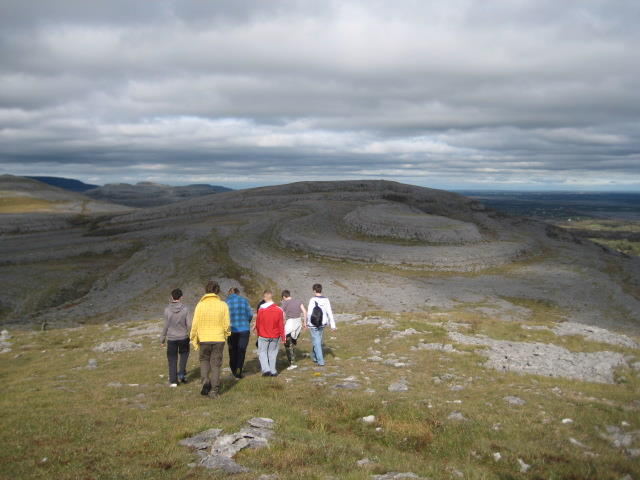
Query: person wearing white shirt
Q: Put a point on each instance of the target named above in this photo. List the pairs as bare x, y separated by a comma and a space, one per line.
319, 306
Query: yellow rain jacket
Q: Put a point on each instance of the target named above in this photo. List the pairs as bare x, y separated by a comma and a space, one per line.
210, 321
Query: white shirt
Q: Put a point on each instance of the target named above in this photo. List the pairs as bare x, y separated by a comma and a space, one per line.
327, 313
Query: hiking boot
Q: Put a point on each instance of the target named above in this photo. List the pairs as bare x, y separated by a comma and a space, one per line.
213, 395
266, 374
274, 374
206, 388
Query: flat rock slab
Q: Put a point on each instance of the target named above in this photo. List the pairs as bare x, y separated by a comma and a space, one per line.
202, 440
595, 334
397, 476
224, 447
545, 359
512, 400
117, 346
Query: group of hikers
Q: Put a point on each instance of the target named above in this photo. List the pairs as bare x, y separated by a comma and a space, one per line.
216, 322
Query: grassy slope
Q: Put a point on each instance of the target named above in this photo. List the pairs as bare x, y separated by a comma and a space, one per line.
53, 407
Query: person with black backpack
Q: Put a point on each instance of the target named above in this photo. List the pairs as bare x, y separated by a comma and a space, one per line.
319, 314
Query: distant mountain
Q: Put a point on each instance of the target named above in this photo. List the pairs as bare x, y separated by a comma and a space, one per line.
66, 183
148, 194
20, 195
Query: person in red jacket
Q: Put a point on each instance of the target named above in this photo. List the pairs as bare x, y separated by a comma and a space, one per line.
270, 328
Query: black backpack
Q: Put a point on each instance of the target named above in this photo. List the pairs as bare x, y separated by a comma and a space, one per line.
316, 316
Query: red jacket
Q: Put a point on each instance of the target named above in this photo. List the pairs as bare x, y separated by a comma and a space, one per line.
270, 322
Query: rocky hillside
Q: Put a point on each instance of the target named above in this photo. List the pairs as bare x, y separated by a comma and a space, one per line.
148, 194
66, 183
375, 244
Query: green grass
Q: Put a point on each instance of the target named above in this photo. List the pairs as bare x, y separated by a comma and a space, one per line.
52, 407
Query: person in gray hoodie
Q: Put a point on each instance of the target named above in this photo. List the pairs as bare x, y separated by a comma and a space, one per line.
175, 334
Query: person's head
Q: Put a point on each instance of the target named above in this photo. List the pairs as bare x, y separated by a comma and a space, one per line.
233, 290
317, 288
286, 294
212, 287
176, 294
267, 296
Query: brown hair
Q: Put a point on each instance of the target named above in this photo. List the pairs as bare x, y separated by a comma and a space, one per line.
212, 287
286, 293
317, 288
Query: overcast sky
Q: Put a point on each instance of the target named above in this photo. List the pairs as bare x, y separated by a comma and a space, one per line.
529, 94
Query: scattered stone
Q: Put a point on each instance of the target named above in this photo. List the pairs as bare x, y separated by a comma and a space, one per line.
369, 419
399, 386
5, 346
114, 384
512, 400
149, 330
404, 333
456, 388
224, 447
577, 443
594, 334
567, 421
524, 467
397, 476
375, 358
618, 438
456, 416
265, 476
348, 385
92, 364
365, 462
497, 457
443, 347
117, 346
379, 321
545, 359
202, 440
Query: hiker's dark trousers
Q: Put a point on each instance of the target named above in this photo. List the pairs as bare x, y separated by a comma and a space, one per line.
237, 343
210, 362
177, 348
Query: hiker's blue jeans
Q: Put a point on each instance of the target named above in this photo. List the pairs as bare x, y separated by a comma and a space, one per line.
317, 334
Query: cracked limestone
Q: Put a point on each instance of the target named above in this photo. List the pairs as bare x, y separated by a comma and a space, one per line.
545, 359
222, 448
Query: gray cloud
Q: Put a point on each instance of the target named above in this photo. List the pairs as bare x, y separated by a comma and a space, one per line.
532, 93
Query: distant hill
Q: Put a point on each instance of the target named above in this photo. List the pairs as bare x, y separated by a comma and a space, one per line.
20, 195
148, 194
66, 183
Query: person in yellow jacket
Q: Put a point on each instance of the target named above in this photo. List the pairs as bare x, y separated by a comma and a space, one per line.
209, 331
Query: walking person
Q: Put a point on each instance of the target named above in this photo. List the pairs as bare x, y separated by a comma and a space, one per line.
241, 315
175, 335
270, 328
319, 314
209, 331
294, 313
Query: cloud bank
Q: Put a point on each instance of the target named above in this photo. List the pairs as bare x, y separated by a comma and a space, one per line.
526, 93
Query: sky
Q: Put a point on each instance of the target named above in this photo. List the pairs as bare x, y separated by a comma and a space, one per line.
512, 94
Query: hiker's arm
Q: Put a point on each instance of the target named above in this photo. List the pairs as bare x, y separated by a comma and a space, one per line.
283, 337
226, 321
332, 322
163, 335
304, 315
193, 336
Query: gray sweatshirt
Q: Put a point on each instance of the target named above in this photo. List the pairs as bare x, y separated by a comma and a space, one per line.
176, 322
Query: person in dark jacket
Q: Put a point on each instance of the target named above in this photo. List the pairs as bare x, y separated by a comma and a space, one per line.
175, 335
